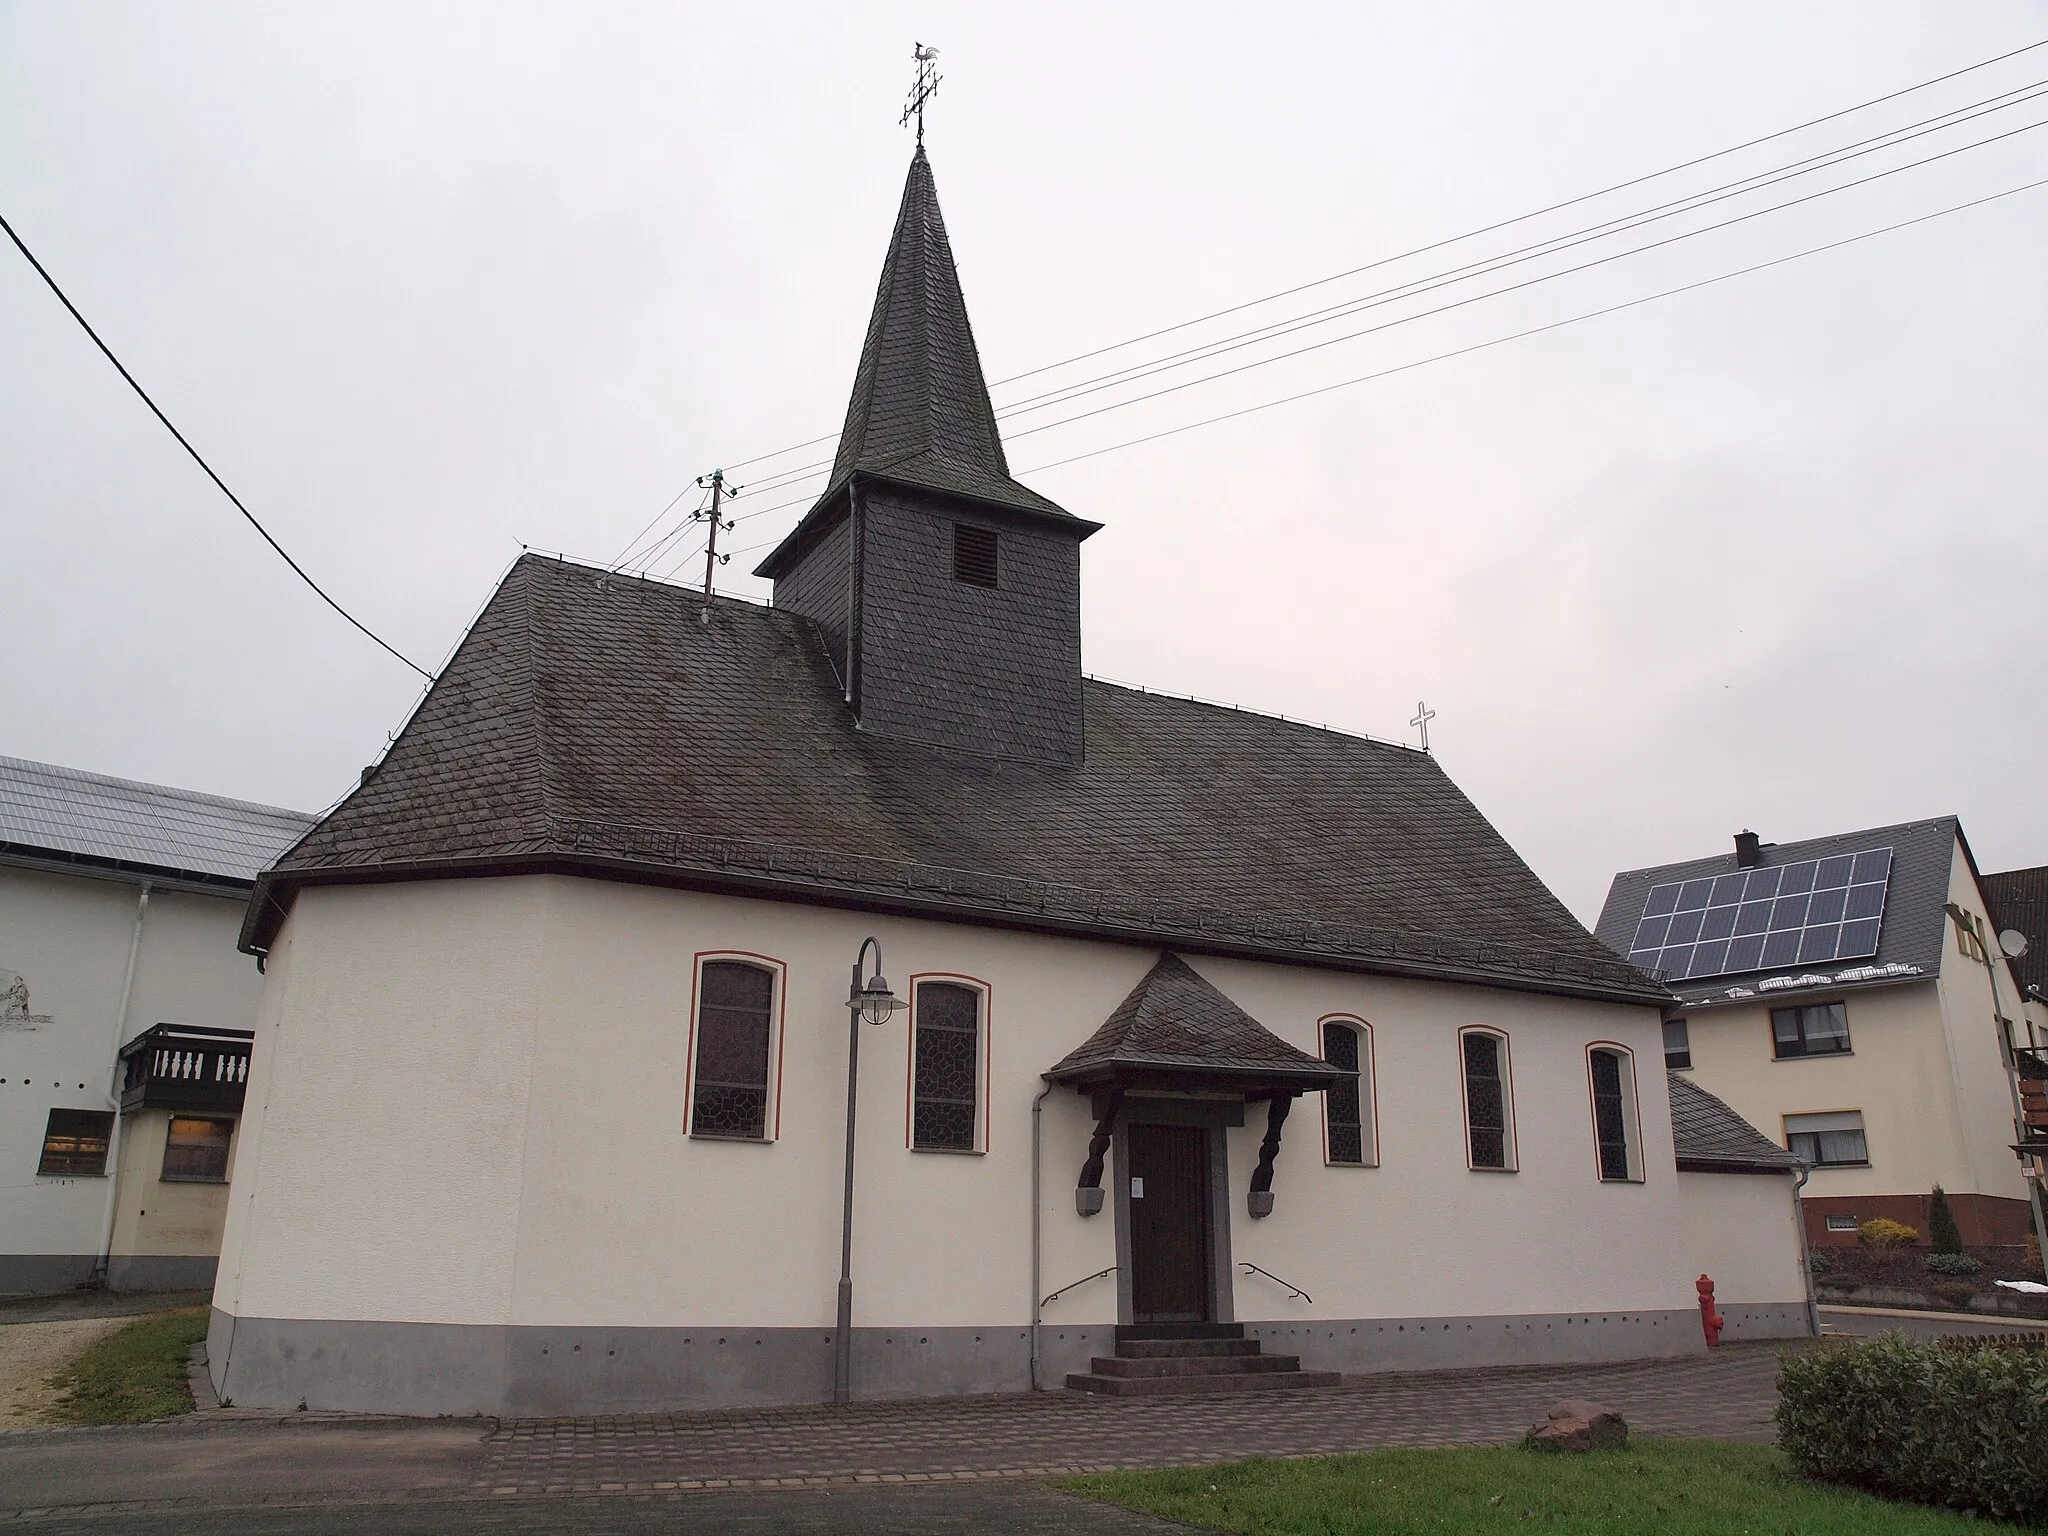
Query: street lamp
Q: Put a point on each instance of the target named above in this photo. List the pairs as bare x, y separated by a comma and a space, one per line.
869, 1000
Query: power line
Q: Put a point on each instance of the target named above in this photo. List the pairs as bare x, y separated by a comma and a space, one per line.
1691, 203
1496, 341
143, 394
1594, 314
1495, 293
1420, 250
1476, 298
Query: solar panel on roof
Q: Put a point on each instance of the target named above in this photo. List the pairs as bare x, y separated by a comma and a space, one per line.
1764, 919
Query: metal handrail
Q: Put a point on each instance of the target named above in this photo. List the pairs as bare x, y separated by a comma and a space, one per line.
1056, 1295
1295, 1292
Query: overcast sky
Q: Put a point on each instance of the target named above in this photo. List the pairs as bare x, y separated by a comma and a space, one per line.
427, 282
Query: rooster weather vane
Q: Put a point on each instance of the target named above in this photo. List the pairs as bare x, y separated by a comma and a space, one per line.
926, 87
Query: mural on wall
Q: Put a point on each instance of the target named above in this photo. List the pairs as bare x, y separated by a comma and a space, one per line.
14, 1003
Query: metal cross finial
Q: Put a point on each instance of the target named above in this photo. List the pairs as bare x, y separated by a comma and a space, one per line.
926, 87
1423, 715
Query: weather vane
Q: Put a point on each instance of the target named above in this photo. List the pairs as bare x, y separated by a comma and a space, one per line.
927, 86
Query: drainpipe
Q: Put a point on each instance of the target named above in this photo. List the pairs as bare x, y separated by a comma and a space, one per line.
98, 1277
1037, 1220
1805, 1254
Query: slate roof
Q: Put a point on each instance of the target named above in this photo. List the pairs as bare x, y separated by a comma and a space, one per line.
1709, 1137
1909, 945
920, 413
2019, 899
1176, 1024
631, 729
48, 813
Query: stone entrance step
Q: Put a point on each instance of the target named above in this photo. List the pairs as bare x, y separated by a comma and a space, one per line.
1156, 1359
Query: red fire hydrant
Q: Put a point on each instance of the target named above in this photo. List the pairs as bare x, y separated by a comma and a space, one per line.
1711, 1322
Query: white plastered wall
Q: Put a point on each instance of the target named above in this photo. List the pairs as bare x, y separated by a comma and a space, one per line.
68, 936
1741, 1231
1970, 1018
468, 1106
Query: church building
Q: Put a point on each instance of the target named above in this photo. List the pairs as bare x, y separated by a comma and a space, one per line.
1196, 1049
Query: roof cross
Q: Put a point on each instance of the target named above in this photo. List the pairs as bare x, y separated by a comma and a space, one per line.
926, 87
1423, 715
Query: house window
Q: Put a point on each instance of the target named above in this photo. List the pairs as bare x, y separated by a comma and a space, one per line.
735, 1030
974, 555
1677, 1044
1349, 1135
1489, 1099
1828, 1141
946, 1031
1611, 1070
1969, 934
1817, 1029
75, 1143
1843, 1223
196, 1151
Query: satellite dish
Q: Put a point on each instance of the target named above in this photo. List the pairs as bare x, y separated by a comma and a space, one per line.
2013, 942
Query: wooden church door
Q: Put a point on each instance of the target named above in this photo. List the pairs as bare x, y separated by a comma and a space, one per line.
1169, 1206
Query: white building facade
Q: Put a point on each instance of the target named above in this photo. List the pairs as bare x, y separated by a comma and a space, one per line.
1214, 1024
120, 906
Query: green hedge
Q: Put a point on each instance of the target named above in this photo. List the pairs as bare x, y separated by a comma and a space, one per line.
1948, 1423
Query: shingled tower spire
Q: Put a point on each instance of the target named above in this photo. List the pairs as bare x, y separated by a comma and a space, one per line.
948, 592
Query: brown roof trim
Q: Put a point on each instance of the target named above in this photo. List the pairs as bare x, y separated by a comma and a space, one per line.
1717, 1165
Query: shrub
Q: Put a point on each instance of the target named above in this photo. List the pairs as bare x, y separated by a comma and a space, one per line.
1818, 1263
1884, 1237
1943, 1235
1954, 1294
1945, 1263
1965, 1427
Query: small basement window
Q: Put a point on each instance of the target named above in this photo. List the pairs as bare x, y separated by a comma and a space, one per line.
1828, 1141
75, 1143
1843, 1223
1677, 1044
196, 1151
974, 555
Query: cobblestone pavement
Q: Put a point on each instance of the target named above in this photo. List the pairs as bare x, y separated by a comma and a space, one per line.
971, 1509
1728, 1395
233, 1473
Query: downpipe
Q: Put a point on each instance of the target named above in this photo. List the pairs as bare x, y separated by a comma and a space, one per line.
1805, 1252
1037, 1223
102, 1265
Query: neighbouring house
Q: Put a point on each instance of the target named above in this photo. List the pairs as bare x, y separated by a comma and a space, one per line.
1848, 994
1219, 1027
2019, 905
125, 1021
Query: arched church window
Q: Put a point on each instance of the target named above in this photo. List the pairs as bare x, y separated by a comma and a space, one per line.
948, 1021
1489, 1099
1349, 1135
1612, 1074
735, 1036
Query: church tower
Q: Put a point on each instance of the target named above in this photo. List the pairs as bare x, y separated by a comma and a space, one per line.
950, 594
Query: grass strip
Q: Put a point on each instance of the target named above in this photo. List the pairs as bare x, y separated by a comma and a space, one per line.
132, 1376
1670, 1487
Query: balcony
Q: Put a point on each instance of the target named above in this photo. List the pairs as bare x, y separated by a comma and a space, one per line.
182, 1068
2030, 1066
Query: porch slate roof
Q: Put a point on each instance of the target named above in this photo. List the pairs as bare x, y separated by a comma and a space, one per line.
1175, 1022
626, 729
1709, 1137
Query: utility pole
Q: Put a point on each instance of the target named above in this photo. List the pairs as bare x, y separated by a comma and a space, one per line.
719, 492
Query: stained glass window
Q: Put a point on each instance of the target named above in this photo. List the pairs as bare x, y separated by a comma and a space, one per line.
734, 1024
945, 1106
1486, 1100
1344, 1100
1610, 1114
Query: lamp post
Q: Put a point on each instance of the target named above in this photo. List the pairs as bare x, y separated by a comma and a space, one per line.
869, 1000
